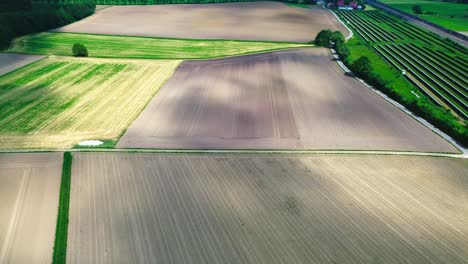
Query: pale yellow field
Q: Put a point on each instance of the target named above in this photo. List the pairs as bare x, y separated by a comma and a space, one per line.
215, 208
29, 194
59, 102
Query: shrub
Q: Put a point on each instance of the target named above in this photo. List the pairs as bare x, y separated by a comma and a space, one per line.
417, 9
323, 38
337, 37
362, 66
342, 50
79, 50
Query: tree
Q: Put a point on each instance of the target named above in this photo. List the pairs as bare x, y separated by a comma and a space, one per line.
362, 66
417, 9
323, 38
337, 37
79, 50
342, 50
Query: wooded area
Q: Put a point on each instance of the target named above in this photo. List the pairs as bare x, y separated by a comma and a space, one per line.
19, 17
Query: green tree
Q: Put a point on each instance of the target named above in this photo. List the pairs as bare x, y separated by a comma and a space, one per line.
362, 66
337, 37
79, 50
417, 9
342, 50
323, 38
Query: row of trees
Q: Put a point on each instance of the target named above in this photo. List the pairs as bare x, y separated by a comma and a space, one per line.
17, 20
152, 2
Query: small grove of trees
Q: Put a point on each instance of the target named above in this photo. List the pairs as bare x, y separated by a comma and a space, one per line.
45, 14
79, 50
327, 38
151, 2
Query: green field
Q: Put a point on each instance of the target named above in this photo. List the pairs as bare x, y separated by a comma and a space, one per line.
453, 16
437, 66
106, 46
58, 102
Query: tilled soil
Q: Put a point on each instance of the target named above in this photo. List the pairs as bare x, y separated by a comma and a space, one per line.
296, 99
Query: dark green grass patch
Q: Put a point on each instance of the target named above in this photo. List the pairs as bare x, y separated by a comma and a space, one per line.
61, 233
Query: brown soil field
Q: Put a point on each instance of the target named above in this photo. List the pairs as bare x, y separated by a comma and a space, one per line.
10, 62
244, 21
29, 194
296, 99
156, 208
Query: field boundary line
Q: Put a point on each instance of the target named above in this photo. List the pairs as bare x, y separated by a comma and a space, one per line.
401, 107
241, 151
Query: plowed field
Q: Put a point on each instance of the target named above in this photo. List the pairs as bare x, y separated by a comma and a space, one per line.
29, 194
153, 208
297, 99
249, 21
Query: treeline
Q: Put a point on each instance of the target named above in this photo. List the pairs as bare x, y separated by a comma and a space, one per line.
363, 68
20, 17
159, 2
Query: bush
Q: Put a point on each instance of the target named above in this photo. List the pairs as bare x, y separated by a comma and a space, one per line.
362, 66
342, 50
337, 37
79, 50
417, 9
323, 38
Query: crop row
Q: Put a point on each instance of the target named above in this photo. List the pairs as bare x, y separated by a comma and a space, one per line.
447, 83
455, 100
373, 32
412, 31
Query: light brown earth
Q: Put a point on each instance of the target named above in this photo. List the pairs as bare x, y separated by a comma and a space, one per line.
153, 208
10, 62
296, 99
249, 21
29, 194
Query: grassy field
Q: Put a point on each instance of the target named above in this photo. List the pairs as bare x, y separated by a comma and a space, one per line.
106, 46
453, 16
57, 102
61, 232
268, 209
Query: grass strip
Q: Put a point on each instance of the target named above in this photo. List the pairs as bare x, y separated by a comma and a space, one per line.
111, 46
61, 233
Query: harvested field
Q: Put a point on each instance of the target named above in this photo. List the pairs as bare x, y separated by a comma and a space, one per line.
105, 46
10, 62
29, 193
249, 21
297, 99
153, 208
59, 102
